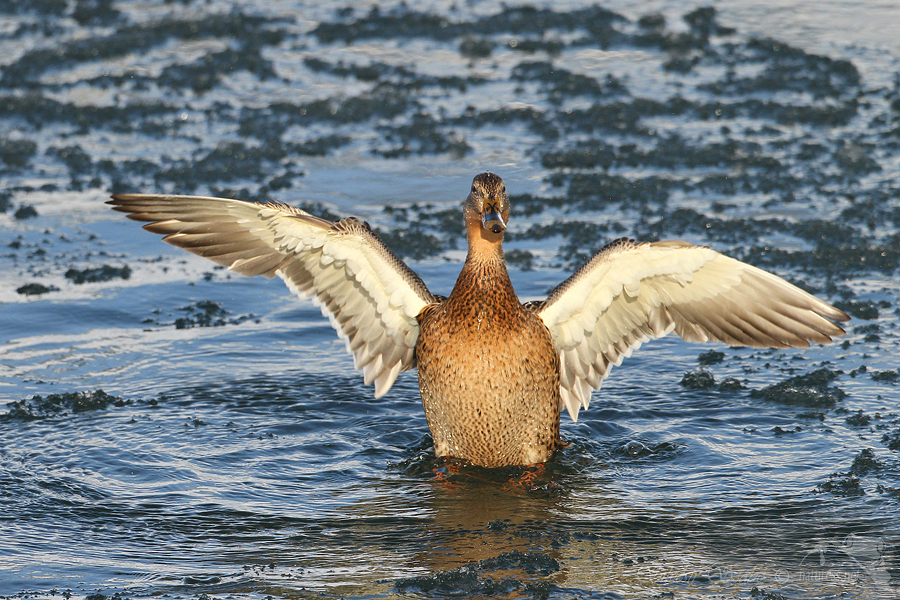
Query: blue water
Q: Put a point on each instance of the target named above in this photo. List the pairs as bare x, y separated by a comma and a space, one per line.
241, 456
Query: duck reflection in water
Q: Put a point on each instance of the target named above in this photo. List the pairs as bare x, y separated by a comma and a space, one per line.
494, 373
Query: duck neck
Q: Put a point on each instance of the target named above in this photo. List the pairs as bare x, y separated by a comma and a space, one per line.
485, 247
484, 276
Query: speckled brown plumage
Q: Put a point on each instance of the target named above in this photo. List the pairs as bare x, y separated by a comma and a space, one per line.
485, 399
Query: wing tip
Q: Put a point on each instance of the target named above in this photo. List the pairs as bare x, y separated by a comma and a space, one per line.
836, 314
121, 198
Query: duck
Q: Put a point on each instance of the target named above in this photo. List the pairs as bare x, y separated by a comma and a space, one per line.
494, 373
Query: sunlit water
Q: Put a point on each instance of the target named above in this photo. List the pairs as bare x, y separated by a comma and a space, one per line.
175, 430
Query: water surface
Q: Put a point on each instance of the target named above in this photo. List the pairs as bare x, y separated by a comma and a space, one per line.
175, 430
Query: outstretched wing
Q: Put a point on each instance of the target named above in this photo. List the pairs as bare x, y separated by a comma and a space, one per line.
371, 297
631, 292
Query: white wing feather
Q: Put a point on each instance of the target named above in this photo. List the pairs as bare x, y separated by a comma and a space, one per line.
370, 296
629, 293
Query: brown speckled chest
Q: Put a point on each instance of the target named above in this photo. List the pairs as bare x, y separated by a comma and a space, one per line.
488, 373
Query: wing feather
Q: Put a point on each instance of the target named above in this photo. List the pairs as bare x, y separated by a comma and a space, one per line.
370, 296
630, 293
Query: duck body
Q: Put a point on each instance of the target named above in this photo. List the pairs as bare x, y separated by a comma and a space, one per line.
484, 398
494, 374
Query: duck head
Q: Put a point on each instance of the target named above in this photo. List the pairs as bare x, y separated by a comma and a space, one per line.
487, 208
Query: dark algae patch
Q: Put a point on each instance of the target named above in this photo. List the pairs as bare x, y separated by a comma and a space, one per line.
842, 485
859, 419
711, 357
866, 309
525, 20
98, 274
851, 483
886, 376
206, 313
701, 379
892, 440
17, 153
811, 390
865, 462
25, 212
36, 289
203, 313
60, 405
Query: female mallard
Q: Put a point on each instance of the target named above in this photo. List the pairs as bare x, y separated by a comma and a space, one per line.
494, 373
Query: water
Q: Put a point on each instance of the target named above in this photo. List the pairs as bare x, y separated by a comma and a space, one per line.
174, 430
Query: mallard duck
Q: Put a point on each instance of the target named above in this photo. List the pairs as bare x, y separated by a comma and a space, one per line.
494, 373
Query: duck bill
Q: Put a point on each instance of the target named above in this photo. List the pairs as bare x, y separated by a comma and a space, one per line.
492, 219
